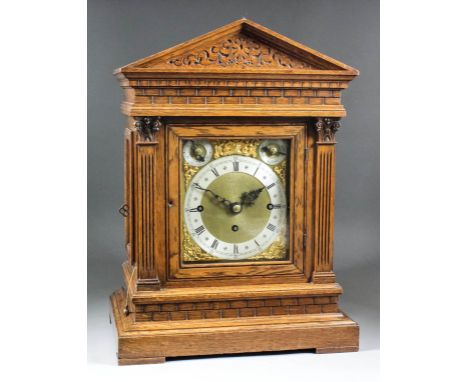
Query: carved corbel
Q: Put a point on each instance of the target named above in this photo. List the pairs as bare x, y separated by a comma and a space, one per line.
147, 126
326, 129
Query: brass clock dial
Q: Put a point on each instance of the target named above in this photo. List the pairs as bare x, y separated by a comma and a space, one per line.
235, 208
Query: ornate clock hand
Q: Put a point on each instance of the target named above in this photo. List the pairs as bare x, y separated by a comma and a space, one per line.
248, 198
275, 152
224, 201
198, 151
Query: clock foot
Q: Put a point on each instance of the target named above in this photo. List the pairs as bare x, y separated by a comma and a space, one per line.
340, 349
140, 361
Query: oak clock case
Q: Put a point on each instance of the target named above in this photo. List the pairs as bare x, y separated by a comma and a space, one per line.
229, 199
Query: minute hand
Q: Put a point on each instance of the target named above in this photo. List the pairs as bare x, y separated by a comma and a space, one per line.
220, 199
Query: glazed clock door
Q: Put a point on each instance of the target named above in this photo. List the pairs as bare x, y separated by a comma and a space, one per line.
236, 202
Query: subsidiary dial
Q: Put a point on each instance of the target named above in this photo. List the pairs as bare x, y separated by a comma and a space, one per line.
197, 152
272, 151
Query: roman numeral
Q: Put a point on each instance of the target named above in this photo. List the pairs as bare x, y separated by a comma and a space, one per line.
271, 227
256, 170
200, 230
214, 171
275, 206
235, 165
214, 244
235, 249
270, 186
195, 209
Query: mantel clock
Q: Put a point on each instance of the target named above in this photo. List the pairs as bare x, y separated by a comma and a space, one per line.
229, 195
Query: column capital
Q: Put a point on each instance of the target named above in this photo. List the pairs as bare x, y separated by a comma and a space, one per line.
325, 129
147, 126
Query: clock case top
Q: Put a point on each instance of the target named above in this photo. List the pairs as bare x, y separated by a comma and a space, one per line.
241, 69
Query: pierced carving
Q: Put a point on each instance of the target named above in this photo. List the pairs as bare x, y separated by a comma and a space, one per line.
147, 126
239, 51
244, 147
326, 129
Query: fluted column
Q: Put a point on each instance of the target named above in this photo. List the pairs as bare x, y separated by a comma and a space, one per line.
147, 177
324, 199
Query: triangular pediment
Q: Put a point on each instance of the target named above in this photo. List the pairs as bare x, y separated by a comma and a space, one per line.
239, 46
235, 51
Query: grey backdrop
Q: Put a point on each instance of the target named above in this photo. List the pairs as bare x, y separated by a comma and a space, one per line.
122, 31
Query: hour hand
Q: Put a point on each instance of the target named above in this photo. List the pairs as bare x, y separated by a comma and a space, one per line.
249, 198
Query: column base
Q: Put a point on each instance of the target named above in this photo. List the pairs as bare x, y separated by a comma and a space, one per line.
323, 277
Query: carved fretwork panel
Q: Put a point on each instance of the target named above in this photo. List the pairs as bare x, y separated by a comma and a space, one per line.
239, 51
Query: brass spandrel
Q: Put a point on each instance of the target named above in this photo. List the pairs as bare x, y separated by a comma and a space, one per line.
246, 147
278, 250
194, 254
281, 170
189, 173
